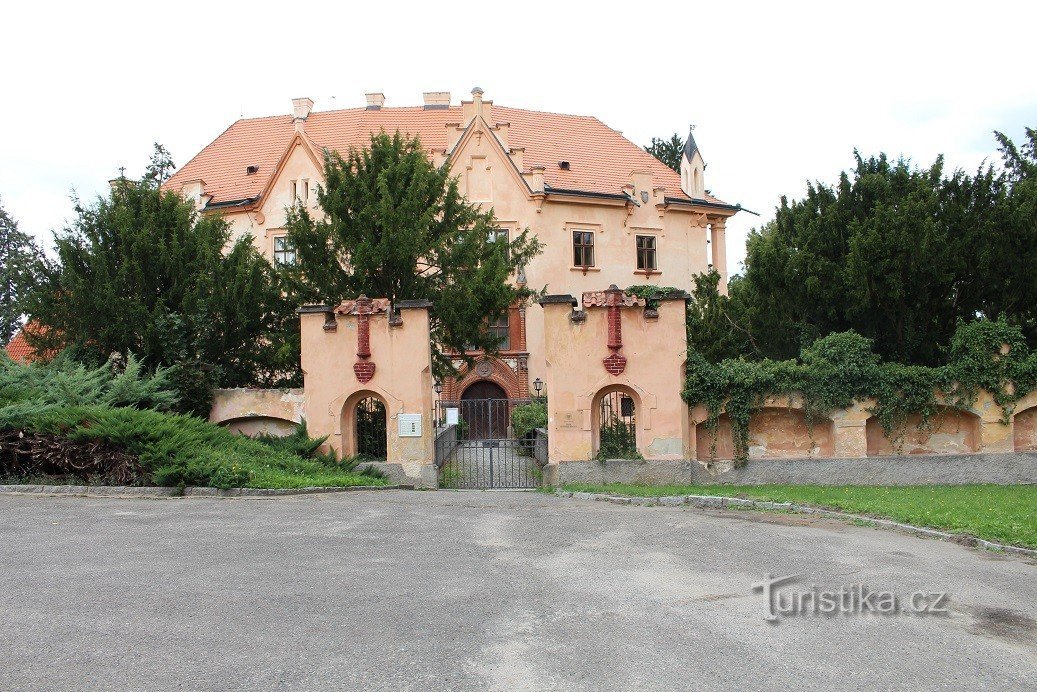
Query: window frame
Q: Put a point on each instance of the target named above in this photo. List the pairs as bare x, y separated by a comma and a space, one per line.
286, 250
499, 233
501, 328
646, 252
582, 249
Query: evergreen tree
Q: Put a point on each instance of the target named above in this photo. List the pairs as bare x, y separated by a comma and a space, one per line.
139, 271
395, 226
21, 262
715, 327
897, 253
668, 151
1012, 289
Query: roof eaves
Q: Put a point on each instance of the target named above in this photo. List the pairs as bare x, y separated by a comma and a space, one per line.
232, 203
692, 202
585, 193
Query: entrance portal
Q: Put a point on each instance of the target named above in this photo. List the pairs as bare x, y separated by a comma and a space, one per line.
486, 409
475, 447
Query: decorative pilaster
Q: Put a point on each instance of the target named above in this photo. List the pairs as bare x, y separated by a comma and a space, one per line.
718, 247
615, 363
364, 368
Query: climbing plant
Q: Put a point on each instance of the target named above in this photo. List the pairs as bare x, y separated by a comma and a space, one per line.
838, 369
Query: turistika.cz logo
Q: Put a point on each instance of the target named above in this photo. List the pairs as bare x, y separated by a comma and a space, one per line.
853, 599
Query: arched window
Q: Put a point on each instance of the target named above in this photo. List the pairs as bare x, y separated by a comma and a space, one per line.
370, 429
617, 426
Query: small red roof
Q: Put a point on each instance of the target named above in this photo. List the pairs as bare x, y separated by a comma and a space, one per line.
19, 349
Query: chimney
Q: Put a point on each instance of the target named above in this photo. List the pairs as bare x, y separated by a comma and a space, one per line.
300, 111
301, 108
375, 100
436, 100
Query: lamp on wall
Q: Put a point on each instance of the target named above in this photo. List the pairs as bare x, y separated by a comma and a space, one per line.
538, 384
437, 387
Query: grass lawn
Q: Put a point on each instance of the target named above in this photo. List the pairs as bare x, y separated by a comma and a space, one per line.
1005, 514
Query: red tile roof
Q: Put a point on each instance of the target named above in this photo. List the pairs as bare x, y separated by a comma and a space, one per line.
19, 349
600, 158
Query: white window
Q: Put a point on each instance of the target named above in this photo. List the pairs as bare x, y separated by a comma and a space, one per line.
294, 187
284, 251
305, 191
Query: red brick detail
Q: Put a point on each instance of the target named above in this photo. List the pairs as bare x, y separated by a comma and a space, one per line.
364, 371
363, 327
515, 384
615, 364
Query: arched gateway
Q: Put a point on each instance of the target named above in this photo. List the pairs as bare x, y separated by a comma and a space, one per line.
486, 408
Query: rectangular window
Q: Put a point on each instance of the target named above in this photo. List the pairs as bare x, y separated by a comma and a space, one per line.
500, 235
646, 253
284, 251
583, 248
294, 187
305, 191
500, 329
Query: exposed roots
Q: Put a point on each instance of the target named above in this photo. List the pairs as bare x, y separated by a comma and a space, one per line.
27, 454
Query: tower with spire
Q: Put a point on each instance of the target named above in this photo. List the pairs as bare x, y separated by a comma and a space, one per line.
693, 168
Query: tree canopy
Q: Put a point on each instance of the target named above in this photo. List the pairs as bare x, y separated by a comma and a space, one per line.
396, 226
900, 254
21, 262
139, 271
669, 151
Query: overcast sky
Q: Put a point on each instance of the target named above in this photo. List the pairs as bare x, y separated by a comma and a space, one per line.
780, 92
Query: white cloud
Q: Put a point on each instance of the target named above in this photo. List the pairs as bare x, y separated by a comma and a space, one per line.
780, 92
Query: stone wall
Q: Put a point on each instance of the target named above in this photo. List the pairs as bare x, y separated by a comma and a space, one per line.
780, 431
254, 411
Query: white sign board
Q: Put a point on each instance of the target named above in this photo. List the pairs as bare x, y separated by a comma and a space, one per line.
409, 424
453, 416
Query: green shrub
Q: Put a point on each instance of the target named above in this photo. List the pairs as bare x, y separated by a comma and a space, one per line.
528, 417
617, 440
123, 408
838, 369
179, 450
65, 382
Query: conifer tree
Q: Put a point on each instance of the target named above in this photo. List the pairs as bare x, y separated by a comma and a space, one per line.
21, 262
669, 151
396, 226
140, 271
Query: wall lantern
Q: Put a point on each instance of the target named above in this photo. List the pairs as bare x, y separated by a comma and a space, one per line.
538, 384
437, 387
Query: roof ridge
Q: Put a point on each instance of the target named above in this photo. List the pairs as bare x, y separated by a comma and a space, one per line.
531, 110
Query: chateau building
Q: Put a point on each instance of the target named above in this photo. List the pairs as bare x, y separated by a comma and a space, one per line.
605, 211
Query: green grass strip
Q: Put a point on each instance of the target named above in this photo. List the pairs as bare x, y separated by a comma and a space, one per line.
1004, 514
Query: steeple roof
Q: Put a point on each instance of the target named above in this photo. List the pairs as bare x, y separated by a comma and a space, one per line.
690, 147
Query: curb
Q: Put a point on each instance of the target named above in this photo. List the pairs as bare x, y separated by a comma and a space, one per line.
719, 502
127, 491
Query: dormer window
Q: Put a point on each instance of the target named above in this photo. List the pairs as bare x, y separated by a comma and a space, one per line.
251, 170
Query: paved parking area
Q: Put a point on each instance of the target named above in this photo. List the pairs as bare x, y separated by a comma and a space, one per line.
482, 590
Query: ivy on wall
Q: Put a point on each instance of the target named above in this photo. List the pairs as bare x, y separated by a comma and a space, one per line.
841, 368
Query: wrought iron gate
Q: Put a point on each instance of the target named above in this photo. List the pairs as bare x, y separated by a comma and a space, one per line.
476, 448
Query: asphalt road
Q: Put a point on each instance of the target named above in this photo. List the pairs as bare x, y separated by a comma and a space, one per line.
483, 590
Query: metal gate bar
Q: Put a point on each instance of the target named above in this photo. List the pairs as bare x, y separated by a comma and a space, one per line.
476, 448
